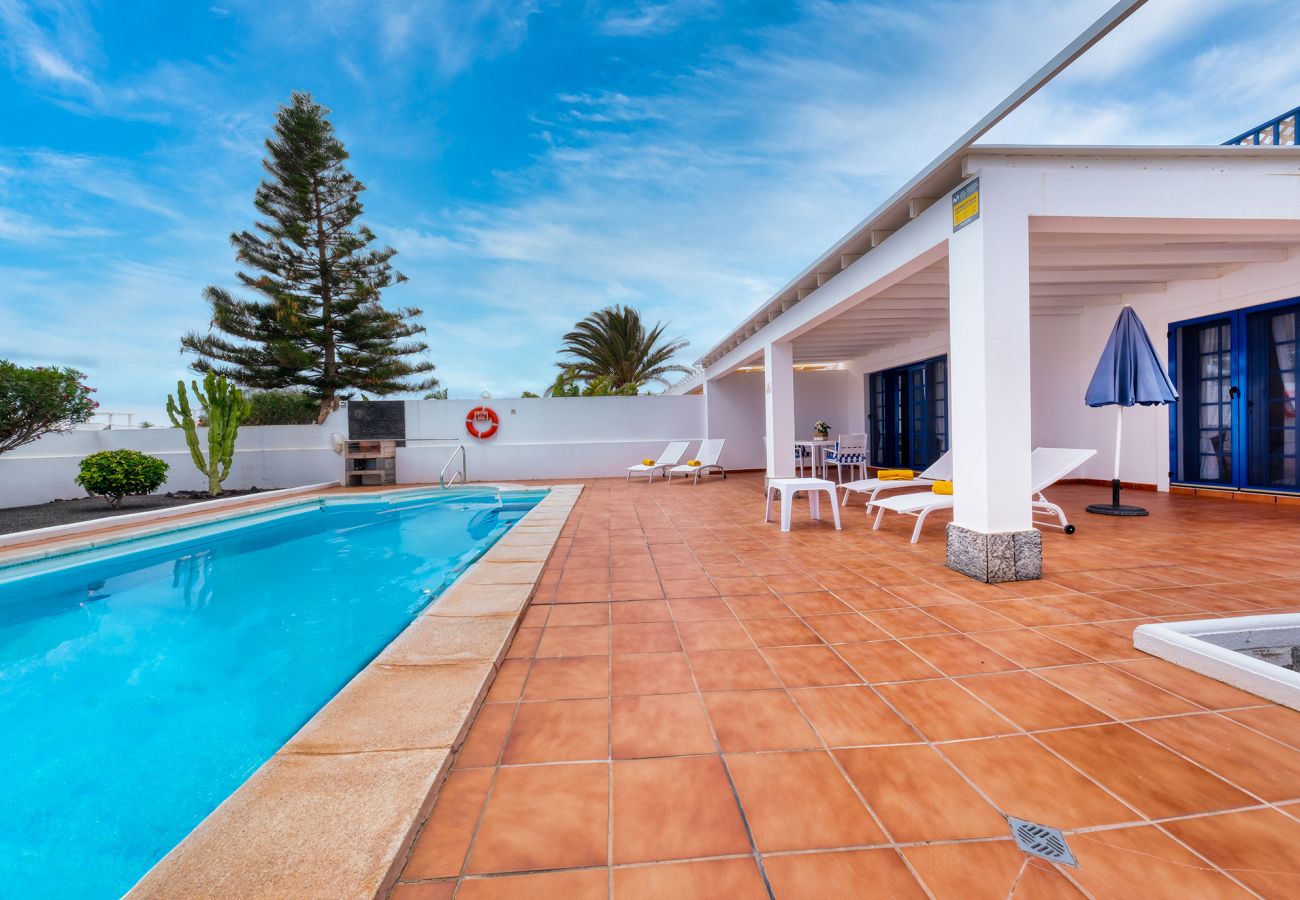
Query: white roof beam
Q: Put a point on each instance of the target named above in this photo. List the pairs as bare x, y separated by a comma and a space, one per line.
1066, 241
1137, 256
918, 205
1056, 311
1061, 276
896, 314
1099, 287
1119, 227
908, 291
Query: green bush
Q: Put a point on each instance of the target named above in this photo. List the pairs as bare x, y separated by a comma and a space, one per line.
282, 408
114, 474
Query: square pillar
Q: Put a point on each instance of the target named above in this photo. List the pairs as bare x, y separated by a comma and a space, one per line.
778, 406
992, 536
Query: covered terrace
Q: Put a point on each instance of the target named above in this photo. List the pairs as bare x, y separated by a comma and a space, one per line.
1017, 292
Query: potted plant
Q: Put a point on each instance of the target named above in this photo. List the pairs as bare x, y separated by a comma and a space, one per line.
821, 430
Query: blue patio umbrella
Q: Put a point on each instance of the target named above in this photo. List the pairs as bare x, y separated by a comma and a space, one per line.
1128, 373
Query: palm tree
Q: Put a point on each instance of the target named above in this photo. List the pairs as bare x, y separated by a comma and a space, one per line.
613, 345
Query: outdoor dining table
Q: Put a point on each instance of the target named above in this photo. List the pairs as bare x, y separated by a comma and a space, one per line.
817, 453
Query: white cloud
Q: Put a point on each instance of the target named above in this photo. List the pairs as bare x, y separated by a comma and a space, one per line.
1147, 33
42, 50
652, 19
54, 66
17, 228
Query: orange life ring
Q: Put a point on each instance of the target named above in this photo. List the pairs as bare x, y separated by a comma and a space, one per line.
478, 417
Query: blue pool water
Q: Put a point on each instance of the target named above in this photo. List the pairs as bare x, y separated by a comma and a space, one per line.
138, 689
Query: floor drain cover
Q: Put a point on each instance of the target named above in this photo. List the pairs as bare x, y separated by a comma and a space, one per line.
1041, 840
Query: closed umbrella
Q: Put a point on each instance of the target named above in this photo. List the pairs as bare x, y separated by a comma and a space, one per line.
1128, 372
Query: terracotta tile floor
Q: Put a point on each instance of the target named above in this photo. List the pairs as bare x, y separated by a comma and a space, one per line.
697, 705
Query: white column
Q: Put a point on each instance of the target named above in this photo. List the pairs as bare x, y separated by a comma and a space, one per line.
988, 273
778, 404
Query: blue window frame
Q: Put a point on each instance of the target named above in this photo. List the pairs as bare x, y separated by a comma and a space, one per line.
908, 413
1235, 424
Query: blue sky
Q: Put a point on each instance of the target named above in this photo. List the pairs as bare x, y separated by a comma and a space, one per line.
534, 161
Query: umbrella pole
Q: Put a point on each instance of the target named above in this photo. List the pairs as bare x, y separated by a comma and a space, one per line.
1114, 508
1119, 442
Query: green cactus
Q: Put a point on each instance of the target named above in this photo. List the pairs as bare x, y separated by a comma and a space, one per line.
224, 407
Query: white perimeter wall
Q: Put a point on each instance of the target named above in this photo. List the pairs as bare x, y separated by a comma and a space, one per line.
550, 437
1064, 354
569, 437
268, 456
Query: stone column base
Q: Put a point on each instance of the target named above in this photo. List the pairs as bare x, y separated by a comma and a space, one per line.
1004, 556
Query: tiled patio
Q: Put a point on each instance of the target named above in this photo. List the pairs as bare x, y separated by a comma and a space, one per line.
697, 705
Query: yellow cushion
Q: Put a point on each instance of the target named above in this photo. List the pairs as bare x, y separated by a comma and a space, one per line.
694, 462
647, 462
895, 474
942, 487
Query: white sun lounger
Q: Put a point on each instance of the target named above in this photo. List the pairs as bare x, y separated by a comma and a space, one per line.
1049, 465
671, 456
708, 455
941, 470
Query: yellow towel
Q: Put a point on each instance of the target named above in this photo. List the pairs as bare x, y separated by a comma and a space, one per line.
942, 487
647, 462
895, 474
694, 462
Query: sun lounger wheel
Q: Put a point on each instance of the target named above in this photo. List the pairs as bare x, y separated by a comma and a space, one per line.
1070, 529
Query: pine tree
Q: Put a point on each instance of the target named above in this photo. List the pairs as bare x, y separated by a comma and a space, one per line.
321, 326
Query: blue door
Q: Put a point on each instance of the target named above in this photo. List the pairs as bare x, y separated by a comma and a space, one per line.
1235, 425
1208, 396
1270, 398
909, 414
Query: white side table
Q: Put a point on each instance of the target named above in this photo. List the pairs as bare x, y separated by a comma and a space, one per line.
788, 487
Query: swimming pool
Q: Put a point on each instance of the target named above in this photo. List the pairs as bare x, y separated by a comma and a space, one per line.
140, 684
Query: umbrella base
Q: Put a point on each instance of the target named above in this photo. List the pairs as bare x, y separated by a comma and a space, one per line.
1115, 509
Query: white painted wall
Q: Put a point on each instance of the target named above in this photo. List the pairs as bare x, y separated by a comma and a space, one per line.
268, 456
734, 411
549, 437
569, 437
834, 396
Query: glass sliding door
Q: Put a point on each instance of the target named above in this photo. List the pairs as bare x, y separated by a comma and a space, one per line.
936, 434
1270, 398
1235, 423
908, 412
1207, 393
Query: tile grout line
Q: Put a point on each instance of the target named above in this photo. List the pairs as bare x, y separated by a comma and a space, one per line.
722, 759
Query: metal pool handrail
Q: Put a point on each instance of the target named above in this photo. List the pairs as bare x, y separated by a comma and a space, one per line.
442, 479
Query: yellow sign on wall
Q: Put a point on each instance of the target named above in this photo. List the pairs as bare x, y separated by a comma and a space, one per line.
966, 204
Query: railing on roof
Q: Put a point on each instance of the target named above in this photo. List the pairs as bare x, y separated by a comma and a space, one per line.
1275, 132
687, 383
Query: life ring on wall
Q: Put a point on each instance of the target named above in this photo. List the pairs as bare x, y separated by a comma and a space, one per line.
482, 422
